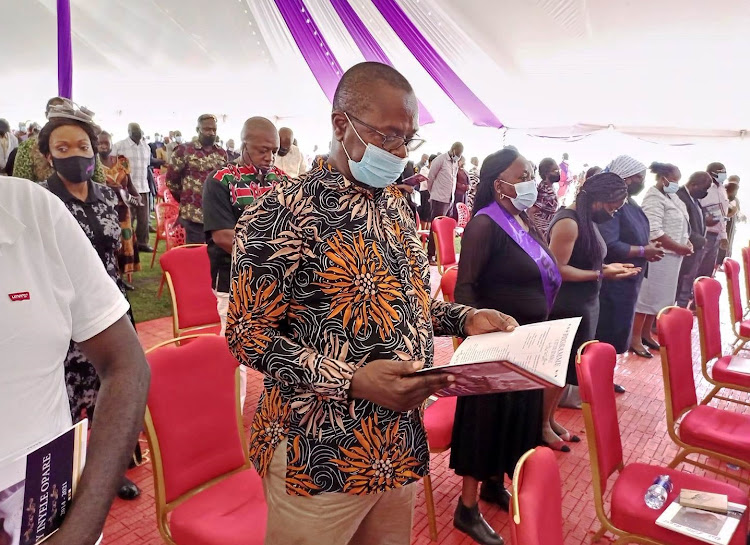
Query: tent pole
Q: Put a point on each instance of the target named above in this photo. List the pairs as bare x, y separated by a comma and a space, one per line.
64, 50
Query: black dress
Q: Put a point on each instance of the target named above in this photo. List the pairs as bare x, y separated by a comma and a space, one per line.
578, 298
491, 432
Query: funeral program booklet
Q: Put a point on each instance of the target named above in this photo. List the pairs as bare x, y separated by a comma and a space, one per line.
702, 525
531, 356
38, 485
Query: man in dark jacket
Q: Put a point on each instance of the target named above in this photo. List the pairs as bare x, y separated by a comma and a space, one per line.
690, 194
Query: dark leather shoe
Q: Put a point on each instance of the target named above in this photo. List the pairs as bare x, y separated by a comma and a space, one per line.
619, 389
128, 490
145, 248
650, 343
471, 522
128, 286
642, 353
494, 492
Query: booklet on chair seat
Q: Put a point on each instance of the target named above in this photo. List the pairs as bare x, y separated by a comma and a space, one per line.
530, 357
739, 365
38, 485
702, 525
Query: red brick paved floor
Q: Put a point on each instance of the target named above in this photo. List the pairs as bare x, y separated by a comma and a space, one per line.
642, 424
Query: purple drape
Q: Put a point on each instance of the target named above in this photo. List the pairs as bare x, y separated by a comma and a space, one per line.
311, 44
367, 44
64, 50
431, 60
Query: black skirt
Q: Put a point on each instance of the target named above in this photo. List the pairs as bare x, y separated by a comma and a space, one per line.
492, 432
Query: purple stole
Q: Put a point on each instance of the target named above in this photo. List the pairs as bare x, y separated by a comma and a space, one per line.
551, 278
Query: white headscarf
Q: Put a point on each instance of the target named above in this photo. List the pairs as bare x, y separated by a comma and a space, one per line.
625, 166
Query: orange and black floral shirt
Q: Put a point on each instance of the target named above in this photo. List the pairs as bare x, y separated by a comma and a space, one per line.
326, 277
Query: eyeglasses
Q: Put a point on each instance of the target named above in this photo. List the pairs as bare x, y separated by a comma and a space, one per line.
392, 143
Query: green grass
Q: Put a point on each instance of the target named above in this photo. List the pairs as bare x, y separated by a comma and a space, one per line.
143, 300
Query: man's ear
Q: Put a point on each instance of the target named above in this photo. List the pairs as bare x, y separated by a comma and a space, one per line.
340, 122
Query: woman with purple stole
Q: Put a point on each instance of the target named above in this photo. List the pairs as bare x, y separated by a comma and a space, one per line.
505, 265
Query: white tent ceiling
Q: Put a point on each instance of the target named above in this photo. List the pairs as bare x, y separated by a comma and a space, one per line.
556, 67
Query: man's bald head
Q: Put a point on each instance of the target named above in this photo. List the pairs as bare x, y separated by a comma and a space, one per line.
698, 184
286, 139
373, 104
360, 86
260, 142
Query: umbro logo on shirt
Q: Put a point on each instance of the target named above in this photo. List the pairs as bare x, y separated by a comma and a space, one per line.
20, 296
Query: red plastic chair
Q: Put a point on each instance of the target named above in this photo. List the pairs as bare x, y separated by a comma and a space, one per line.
168, 197
630, 518
536, 506
166, 217
188, 274
464, 215
746, 269
161, 187
707, 291
207, 492
740, 327
438, 423
712, 432
444, 231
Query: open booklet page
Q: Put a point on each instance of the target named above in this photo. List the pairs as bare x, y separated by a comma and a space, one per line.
532, 356
702, 525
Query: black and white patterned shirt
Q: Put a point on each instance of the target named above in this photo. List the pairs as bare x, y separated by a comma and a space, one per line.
97, 216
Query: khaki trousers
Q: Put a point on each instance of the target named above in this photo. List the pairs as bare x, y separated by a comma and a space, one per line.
222, 307
335, 518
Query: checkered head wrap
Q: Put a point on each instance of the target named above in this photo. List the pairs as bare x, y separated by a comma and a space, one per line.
625, 166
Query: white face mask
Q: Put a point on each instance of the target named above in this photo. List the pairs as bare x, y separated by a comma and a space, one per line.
721, 177
669, 186
526, 194
178, 139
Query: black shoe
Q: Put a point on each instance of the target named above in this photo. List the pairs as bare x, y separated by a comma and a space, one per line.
128, 286
145, 248
151, 229
619, 389
650, 343
642, 353
471, 522
494, 492
128, 490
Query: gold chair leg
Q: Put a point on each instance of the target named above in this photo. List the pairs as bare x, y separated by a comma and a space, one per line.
598, 535
430, 504
711, 394
740, 347
678, 459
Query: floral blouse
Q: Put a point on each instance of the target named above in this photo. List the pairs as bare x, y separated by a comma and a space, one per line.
328, 276
97, 217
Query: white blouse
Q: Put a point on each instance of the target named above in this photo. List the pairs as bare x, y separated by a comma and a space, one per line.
667, 215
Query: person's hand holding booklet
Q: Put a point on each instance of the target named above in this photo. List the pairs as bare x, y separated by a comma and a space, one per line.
529, 357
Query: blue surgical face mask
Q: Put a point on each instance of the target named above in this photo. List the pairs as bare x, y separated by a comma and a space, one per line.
526, 194
721, 177
377, 168
671, 187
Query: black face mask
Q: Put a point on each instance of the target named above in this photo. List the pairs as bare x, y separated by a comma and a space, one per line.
75, 169
701, 194
136, 136
207, 139
282, 152
555, 178
635, 188
105, 154
600, 216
